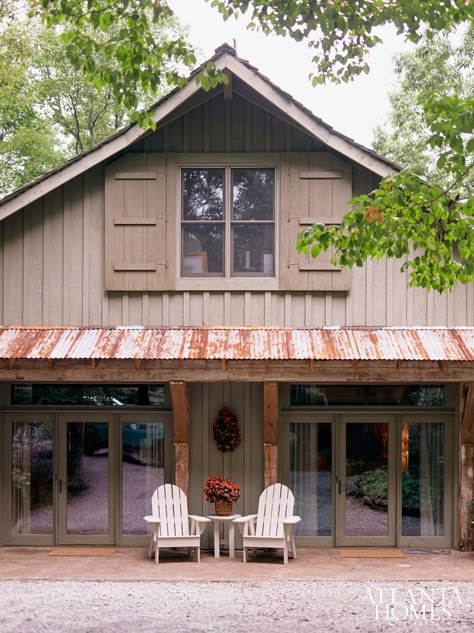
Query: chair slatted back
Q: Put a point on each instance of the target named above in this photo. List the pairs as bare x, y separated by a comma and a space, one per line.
276, 503
169, 503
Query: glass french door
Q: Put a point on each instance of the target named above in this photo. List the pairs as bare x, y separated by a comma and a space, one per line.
85, 481
366, 481
426, 477
28, 473
83, 478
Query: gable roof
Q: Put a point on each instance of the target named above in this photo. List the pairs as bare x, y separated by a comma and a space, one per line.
225, 57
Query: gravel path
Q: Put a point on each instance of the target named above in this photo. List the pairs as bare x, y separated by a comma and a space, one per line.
267, 607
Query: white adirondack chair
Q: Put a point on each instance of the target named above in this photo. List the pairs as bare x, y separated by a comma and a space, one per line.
170, 524
274, 523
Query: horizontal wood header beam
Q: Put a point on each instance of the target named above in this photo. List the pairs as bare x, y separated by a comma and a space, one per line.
239, 371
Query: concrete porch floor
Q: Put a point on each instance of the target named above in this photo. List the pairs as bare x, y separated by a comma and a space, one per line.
132, 564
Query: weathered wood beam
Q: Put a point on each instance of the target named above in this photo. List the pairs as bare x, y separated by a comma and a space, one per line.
73, 370
466, 466
180, 404
51, 363
270, 433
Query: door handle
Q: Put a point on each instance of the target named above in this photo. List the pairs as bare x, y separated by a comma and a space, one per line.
60, 486
339, 486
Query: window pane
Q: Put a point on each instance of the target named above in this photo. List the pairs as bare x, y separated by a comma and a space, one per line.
32, 478
253, 248
366, 479
87, 478
203, 194
311, 477
88, 395
253, 194
310, 395
203, 249
143, 471
423, 479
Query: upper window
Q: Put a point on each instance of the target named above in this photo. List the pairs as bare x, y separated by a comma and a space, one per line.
228, 222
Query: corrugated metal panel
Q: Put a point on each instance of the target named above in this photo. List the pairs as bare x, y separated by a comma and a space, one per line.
259, 343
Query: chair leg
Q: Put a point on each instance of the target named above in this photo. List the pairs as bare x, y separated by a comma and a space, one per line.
293, 546
285, 554
198, 554
150, 547
245, 554
157, 553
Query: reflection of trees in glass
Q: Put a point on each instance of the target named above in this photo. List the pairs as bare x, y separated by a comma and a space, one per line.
94, 395
205, 238
250, 243
203, 194
252, 192
428, 396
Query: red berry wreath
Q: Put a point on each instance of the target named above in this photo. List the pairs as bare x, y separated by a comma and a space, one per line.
226, 431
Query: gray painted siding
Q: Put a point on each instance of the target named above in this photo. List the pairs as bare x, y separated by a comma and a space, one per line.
245, 464
52, 268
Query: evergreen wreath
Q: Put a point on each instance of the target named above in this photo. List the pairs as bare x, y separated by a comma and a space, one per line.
226, 431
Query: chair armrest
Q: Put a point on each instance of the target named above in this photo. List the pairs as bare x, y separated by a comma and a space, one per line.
152, 519
246, 524
246, 519
198, 519
198, 524
291, 520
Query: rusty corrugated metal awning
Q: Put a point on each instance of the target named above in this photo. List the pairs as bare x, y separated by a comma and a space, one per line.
239, 343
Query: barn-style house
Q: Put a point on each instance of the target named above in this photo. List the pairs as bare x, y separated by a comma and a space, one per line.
154, 279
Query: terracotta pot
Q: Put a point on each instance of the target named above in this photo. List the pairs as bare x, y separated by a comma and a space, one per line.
223, 508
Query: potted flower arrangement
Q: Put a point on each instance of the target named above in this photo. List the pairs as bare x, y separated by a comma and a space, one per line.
222, 492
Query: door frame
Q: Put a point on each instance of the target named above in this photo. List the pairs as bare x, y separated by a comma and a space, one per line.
62, 537
6, 472
451, 432
130, 417
390, 540
398, 417
314, 417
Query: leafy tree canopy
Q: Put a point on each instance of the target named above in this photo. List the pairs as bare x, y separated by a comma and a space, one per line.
49, 112
437, 66
431, 227
119, 44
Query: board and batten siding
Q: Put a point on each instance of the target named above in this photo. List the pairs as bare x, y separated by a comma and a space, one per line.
245, 464
52, 273
52, 252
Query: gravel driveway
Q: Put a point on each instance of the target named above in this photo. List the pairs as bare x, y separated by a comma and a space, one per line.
266, 607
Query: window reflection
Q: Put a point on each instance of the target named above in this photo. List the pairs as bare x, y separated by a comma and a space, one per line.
32, 478
311, 477
143, 463
203, 194
253, 248
253, 194
423, 479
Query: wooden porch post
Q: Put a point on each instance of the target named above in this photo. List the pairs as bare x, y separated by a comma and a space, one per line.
270, 433
466, 466
180, 404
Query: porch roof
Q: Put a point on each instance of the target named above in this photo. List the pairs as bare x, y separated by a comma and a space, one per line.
238, 343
